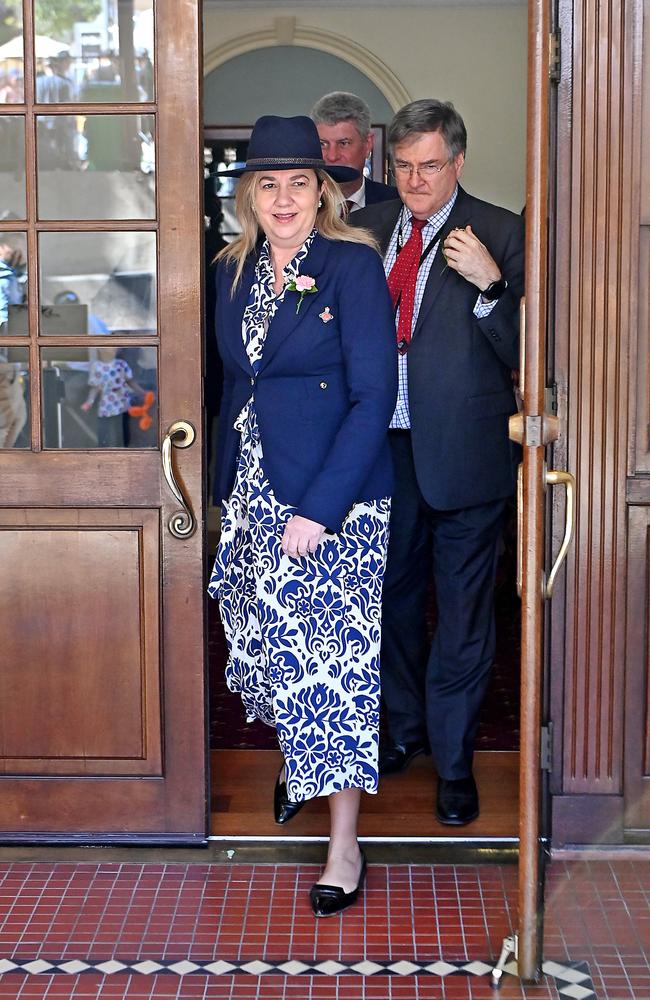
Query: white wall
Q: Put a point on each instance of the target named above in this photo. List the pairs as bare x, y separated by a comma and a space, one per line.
474, 56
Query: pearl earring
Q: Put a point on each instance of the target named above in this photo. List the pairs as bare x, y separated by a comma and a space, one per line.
320, 202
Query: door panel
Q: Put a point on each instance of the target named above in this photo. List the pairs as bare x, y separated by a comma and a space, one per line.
102, 727
84, 698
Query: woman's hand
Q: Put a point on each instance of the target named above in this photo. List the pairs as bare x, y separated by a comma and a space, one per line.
301, 536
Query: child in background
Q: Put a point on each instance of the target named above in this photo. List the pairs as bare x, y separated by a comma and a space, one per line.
111, 379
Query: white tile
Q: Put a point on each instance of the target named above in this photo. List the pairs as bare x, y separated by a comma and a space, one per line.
146, 968
329, 968
182, 968
256, 968
441, 968
219, 968
73, 967
294, 968
576, 992
7, 966
554, 969
367, 968
110, 967
404, 968
478, 968
37, 966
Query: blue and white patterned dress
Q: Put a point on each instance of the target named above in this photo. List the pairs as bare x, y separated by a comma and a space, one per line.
303, 633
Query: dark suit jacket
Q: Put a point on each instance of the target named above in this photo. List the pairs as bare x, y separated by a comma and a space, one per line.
325, 391
376, 192
459, 367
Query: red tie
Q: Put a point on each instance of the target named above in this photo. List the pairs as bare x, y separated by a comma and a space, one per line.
401, 282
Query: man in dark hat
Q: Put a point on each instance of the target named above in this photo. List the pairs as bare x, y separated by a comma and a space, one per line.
455, 268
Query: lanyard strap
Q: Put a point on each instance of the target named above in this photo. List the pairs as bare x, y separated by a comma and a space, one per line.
429, 247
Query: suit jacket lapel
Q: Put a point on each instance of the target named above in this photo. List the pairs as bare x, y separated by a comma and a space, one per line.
286, 318
440, 272
235, 314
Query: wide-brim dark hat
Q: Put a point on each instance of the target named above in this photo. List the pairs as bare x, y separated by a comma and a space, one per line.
287, 144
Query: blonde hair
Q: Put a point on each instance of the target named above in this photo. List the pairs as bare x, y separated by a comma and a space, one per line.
328, 221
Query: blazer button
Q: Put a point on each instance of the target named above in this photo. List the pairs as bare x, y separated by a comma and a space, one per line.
323, 385
252, 381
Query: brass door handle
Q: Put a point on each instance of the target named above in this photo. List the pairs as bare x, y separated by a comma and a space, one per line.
181, 524
555, 478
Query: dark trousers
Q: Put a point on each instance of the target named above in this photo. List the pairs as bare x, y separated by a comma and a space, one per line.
437, 692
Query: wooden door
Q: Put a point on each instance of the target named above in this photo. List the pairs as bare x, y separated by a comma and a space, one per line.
535, 429
102, 728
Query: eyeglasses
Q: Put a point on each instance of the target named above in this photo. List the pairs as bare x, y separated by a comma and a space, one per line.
422, 170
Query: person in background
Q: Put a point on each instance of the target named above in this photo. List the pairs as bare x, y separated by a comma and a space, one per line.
305, 331
455, 270
343, 123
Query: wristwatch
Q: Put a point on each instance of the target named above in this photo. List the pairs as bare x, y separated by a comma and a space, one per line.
494, 290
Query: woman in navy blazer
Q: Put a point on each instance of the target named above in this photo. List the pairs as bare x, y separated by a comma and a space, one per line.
306, 332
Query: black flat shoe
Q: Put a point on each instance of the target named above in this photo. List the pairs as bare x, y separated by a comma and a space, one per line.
397, 756
456, 801
327, 900
283, 808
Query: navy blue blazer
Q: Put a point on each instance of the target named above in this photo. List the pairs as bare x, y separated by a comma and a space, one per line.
326, 389
376, 192
460, 367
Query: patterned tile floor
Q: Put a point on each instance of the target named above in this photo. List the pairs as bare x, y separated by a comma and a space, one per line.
597, 912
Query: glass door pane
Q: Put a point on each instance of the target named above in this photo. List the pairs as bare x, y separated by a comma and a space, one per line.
100, 51
12, 89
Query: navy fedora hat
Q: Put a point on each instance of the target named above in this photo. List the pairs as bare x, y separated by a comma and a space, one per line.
287, 144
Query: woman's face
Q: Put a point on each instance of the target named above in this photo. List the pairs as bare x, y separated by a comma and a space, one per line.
286, 203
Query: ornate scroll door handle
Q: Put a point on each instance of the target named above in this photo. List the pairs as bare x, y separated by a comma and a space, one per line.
181, 434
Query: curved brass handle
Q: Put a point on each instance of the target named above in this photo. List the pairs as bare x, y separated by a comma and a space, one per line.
182, 524
555, 478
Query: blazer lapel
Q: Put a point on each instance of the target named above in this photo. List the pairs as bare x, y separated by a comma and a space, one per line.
286, 318
440, 272
235, 313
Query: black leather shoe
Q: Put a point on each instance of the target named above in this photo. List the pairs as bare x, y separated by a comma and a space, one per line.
283, 808
326, 900
396, 757
457, 801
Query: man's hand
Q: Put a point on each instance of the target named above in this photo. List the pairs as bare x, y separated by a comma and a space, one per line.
465, 253
301, 536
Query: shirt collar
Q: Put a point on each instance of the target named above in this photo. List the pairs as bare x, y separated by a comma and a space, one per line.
437, 218
359, 196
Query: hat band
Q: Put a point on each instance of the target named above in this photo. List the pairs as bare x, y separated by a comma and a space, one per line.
308, 161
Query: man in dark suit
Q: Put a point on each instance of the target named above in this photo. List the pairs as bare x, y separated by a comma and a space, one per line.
455, 268
343, 123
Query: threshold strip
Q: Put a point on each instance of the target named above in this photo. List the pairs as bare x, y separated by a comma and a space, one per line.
572, 979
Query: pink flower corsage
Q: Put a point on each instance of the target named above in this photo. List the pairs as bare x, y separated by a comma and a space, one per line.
303, 284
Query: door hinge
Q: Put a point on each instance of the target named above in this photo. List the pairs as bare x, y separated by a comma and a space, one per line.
546, 747
554, 66
550, 398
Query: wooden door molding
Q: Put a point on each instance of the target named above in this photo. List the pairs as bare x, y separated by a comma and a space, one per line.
596, 285
103, 716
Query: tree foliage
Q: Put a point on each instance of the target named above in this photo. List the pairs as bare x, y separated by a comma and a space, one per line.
11, 19
58, 17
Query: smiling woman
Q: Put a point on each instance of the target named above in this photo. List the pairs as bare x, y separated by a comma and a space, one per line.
304, 480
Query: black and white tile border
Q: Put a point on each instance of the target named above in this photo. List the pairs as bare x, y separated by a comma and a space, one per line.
572, 980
